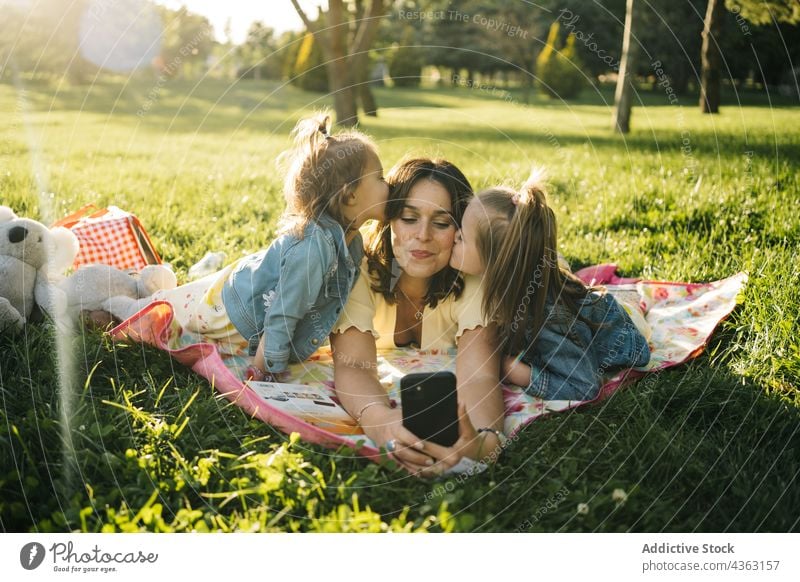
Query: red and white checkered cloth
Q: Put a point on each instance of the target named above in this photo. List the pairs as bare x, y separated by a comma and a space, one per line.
111, 237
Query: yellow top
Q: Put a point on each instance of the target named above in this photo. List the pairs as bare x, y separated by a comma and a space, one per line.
367, 310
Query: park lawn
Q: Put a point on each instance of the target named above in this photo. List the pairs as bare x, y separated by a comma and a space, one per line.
149, 446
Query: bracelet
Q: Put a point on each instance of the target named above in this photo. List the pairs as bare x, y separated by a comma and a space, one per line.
500, 436
363, 408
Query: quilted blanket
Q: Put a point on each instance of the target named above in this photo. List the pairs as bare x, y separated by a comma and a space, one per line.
681, 316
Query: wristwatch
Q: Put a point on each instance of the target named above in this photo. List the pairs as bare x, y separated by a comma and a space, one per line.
500, 436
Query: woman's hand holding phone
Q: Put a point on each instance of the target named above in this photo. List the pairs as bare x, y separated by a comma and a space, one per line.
419, 457
383, 424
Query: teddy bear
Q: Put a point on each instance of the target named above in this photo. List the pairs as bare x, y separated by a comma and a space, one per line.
101, 288
32, 260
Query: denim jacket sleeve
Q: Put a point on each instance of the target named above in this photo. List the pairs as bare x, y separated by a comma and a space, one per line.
302, 276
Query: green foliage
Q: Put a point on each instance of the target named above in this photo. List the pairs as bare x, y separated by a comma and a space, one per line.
130, 440
766, 11
42, 39
559, 71
259, 53
309, 67
186, 41
405, 64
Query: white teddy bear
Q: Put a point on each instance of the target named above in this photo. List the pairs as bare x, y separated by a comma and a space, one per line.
102, 288
32, 258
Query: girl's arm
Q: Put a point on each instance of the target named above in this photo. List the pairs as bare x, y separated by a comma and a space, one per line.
516, 371
301, 280
358, 389
478, 372
479, 390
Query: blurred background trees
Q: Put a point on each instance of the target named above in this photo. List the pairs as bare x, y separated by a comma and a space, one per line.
349, 46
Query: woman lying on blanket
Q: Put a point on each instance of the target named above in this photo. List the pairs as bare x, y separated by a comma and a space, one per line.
281, 303
561, 336
407, 295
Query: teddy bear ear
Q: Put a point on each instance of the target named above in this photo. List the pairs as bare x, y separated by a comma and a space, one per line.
6, 214
65, 247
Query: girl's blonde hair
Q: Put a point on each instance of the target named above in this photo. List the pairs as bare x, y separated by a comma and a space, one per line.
516, 240
324, 170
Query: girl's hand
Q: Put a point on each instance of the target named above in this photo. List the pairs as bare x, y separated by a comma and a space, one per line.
515, 372
470, 444
253, 372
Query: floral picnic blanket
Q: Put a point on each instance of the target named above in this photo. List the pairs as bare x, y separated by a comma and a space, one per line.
682, 317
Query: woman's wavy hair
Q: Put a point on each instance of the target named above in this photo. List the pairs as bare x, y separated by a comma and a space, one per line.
516, 240
380, 256
324, 170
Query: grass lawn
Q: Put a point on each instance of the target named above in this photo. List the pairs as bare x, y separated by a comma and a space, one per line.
149, 446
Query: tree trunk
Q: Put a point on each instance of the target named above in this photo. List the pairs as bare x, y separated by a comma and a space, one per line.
344, 97
711, 58
332, 38
623, 99
365, 36
341, 56
367, 99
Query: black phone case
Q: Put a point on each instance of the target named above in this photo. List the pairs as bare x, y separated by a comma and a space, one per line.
430, 406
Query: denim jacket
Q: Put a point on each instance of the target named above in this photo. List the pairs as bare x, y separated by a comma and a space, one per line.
569, 359
293, 291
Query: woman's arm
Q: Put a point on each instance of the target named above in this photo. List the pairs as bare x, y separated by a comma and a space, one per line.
355, 376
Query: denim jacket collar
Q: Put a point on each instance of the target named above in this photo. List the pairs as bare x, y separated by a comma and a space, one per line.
332, 226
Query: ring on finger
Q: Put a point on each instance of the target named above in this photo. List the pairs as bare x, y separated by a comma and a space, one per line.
391, 445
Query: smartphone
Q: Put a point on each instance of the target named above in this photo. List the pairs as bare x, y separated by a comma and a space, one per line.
430, 406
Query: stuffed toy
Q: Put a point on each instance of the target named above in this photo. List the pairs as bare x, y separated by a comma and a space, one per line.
100, 287
32, 260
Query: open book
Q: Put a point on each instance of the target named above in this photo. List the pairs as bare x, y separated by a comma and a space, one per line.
312, 404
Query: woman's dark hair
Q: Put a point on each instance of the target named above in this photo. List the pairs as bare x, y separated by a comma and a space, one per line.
380, 256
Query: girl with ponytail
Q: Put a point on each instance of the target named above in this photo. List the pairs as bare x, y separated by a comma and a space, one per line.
560, 338
286, 299
280, 304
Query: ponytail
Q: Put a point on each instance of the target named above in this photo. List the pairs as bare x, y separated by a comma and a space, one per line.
323, 170
310, 132
517, 243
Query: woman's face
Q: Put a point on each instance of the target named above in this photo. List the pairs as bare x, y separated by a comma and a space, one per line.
423, 235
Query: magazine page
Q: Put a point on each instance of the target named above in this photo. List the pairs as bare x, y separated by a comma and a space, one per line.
312, 404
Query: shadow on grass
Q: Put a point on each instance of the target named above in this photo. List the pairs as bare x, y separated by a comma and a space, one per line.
692, 449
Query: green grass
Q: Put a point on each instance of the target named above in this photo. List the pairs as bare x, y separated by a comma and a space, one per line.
711, 446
